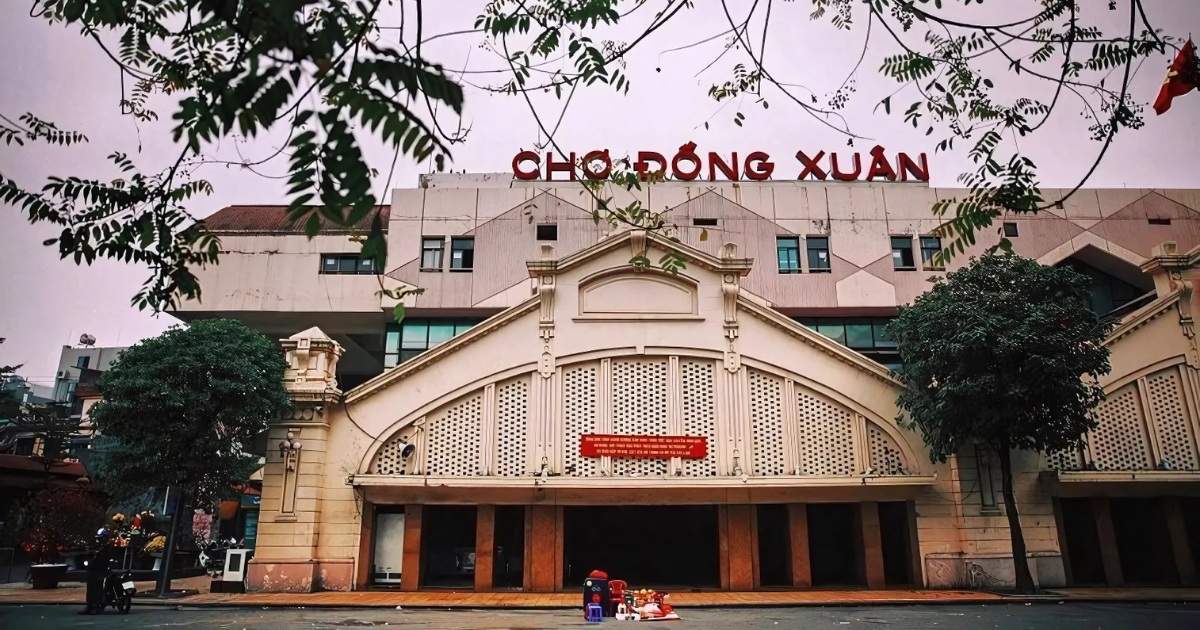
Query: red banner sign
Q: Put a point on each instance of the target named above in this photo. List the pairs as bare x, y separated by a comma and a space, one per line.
644, 446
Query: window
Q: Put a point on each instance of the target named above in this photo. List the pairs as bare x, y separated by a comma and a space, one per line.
1010, 230
431, 253
414, 336
930, 246
902, 253
818, 254
547, 232
462, 254
987, 488
347, 264
1108, 292
864, 334
788, 250
1159, 221
82, 362
704, 222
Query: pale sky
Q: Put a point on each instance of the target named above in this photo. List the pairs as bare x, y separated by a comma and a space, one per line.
61, 76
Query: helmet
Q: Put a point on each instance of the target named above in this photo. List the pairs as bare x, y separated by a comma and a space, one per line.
102, 532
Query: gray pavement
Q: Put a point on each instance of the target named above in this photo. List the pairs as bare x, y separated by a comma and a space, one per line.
1077, 616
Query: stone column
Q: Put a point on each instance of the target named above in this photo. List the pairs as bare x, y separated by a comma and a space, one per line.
798, 532
741, 547
1102, 510
872, 544
410, 565
544, 554
294, 476
485, 547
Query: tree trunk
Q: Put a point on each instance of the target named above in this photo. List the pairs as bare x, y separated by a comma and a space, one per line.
1020, 561
164, 577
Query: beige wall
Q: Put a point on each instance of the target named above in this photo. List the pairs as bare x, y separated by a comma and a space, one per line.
278, 273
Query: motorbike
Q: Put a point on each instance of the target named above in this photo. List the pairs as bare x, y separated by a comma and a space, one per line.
118, 590
212, 553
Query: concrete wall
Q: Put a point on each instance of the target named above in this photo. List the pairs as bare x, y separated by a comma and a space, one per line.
278, 273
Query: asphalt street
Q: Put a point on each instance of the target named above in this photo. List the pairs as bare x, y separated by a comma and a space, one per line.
942, 617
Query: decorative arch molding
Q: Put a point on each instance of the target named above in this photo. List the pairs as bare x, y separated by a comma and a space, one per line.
635, 293
877, 447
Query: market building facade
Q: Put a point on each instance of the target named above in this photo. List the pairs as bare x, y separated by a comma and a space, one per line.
547, 408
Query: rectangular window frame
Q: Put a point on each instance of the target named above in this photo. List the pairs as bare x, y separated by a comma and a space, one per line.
412, 336
814, 246
901, 246
347, 265
434, 246
929, 250
787, 255
1011, 230
462, 254
547, 232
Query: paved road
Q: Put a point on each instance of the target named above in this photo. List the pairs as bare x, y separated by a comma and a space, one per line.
943, 617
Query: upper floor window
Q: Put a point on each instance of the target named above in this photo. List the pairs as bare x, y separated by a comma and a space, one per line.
347, 264
462, 253
1010, 230
818, 254
431, 253
864, 334
83, 361
930, 246
700, 222
547, 232
902, 253
416, 335
788, 252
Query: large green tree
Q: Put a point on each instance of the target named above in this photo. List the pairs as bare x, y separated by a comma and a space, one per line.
332, 74
1004, 353
181, 409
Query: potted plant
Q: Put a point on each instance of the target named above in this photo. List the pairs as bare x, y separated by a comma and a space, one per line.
58, 520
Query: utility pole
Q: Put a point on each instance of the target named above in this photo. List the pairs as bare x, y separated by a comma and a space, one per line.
164, 577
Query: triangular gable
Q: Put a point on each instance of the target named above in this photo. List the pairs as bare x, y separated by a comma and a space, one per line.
727, 266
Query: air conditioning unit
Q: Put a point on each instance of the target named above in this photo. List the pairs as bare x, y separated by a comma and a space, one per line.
64, 374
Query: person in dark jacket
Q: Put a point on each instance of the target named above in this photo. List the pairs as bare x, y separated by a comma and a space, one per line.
98, 569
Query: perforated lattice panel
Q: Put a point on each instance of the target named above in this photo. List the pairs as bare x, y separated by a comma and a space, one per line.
1067, 459
699, 414
452, 448
766, 420
1178, 445
511, 428
388, 460
579, 417
885, 454
826, 436
1119, 441
640, 408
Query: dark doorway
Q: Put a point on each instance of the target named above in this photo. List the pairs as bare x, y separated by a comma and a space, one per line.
896, 540
508, 570
774, 546
832, 548
1143, 541
1082, 543
1190, 507
448, 546
646, 546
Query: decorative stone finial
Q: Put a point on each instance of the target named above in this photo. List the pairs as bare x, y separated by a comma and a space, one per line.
312, 359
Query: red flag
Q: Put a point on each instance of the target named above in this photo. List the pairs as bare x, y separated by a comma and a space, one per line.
1181, 78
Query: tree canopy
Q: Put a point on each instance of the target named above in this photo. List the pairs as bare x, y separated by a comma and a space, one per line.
181, 409
1005, 353
337, 73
